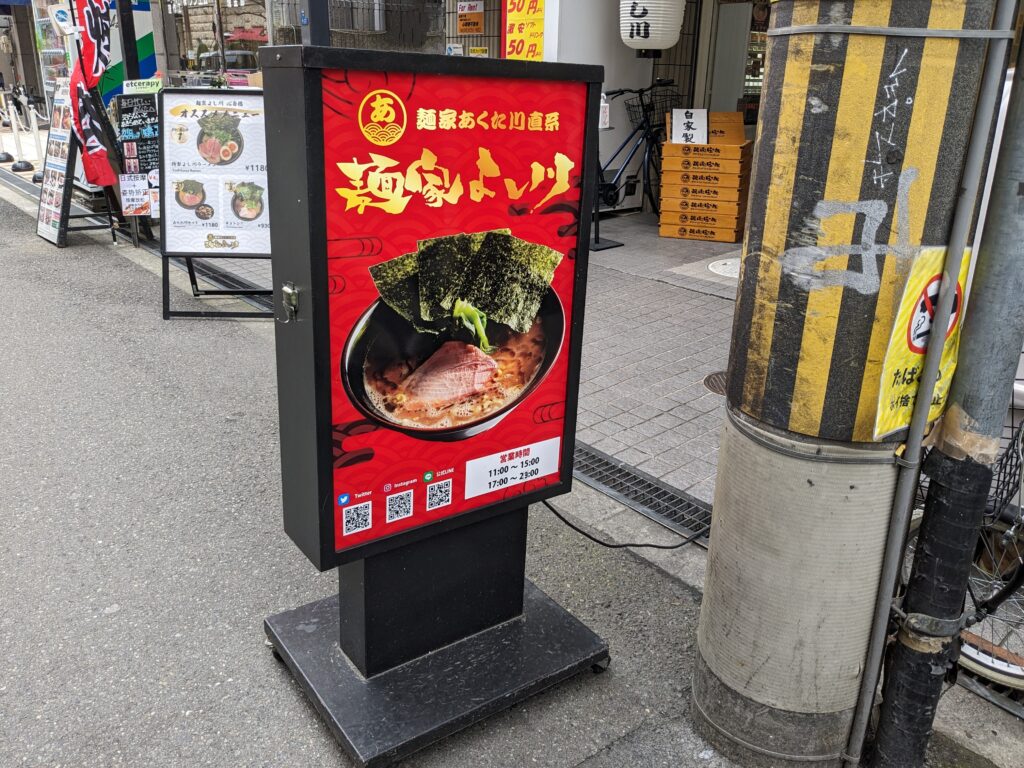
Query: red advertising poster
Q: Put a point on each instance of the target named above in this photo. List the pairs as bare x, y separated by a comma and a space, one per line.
452, 217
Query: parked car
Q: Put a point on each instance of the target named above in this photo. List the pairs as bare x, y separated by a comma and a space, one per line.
237, 65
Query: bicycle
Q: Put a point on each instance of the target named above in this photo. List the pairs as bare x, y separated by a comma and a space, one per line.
646, 111
992, 642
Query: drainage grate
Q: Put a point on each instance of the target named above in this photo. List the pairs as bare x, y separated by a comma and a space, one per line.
715, 382
1009, 699
642, 493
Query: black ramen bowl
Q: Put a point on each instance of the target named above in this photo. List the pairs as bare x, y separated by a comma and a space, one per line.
386, 334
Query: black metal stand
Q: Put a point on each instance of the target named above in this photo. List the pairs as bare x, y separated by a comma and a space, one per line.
198, 292
426, 639
597, 244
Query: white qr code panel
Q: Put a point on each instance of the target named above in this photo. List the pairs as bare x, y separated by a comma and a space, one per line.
399, 506
356, 518
439, 494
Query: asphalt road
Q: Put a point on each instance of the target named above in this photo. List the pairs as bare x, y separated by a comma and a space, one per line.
142, 547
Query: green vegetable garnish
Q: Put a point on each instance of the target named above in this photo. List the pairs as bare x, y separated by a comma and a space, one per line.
249, 192
221, 126
474, 320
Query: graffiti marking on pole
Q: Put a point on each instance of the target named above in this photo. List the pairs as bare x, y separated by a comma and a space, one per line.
801, 264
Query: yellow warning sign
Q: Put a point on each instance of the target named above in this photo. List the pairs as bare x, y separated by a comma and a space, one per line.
904, 358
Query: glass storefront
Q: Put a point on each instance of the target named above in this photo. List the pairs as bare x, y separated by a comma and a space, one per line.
53, 55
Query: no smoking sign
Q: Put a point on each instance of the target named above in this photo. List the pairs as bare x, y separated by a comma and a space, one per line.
920, 326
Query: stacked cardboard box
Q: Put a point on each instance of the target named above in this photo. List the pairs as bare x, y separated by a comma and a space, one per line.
704, 187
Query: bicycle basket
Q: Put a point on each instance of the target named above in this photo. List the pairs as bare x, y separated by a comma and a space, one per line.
1006, 470
653, 107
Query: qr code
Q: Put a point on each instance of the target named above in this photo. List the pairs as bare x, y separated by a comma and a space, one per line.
356, 518
399, 506
439, 494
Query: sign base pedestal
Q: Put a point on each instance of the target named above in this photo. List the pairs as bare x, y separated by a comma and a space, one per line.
428, 638
384, 718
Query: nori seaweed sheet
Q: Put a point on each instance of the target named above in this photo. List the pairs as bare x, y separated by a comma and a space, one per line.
443, 265
398, 282
507, 279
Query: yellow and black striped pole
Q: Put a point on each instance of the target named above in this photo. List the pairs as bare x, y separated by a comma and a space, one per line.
866, 116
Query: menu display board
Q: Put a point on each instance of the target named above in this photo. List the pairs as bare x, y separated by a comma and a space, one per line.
452, 226
214, 173
55, 192
138, 127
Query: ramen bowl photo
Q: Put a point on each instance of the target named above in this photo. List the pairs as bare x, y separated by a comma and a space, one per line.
449, 350
189, 194
219, 141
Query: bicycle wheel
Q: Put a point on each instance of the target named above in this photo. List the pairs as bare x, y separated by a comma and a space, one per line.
994, 647
652, 169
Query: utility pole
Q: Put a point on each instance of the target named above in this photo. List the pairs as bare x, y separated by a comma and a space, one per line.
960, 465
129, 43
862, 157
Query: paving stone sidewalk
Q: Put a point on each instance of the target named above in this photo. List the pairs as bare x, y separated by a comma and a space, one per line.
656, 324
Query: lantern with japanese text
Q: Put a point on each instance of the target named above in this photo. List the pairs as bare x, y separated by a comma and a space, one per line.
650, 24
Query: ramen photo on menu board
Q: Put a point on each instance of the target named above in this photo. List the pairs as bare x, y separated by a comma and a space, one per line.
465, 327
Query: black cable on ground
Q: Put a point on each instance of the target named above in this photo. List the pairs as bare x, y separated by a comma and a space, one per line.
609, 545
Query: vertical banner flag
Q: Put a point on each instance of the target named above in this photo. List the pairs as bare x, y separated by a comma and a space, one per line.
93, 17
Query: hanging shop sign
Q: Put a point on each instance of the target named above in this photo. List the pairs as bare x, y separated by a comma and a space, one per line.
55, 191
470, 17
448, 210
138, 127
908, 344
650, 24
523, 29
146, 85
213, 173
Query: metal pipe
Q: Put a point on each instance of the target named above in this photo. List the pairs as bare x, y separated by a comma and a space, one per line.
33, 121
906, 488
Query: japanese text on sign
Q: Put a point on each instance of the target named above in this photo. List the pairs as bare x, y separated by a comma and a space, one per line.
381, 183
509, 468
524, 29
908, 344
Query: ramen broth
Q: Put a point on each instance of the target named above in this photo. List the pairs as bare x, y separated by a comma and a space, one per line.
519, 357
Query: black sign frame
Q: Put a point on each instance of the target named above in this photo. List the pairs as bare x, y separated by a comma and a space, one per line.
299, 245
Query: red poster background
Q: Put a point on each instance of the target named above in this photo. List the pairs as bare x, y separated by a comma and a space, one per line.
370, 457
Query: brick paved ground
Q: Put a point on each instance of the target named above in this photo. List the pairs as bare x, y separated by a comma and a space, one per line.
648, 343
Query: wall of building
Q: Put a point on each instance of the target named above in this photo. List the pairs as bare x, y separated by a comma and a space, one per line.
730, 55
588, 33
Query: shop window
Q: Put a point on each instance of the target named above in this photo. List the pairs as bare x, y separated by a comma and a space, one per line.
357, 15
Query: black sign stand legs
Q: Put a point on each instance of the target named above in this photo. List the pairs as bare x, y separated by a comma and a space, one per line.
597, 244
434, 636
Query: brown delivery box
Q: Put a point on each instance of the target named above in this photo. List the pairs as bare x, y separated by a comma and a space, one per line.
728, 194
720, 151
700, 233
714, 220
700, 205
704, 179
709, 164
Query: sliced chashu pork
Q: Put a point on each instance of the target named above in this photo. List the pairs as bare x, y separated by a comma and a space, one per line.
455, 372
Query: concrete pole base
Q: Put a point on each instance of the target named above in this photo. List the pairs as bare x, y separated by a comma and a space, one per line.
772, 738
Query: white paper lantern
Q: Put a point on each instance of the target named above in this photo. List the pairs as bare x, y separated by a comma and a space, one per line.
650, 24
